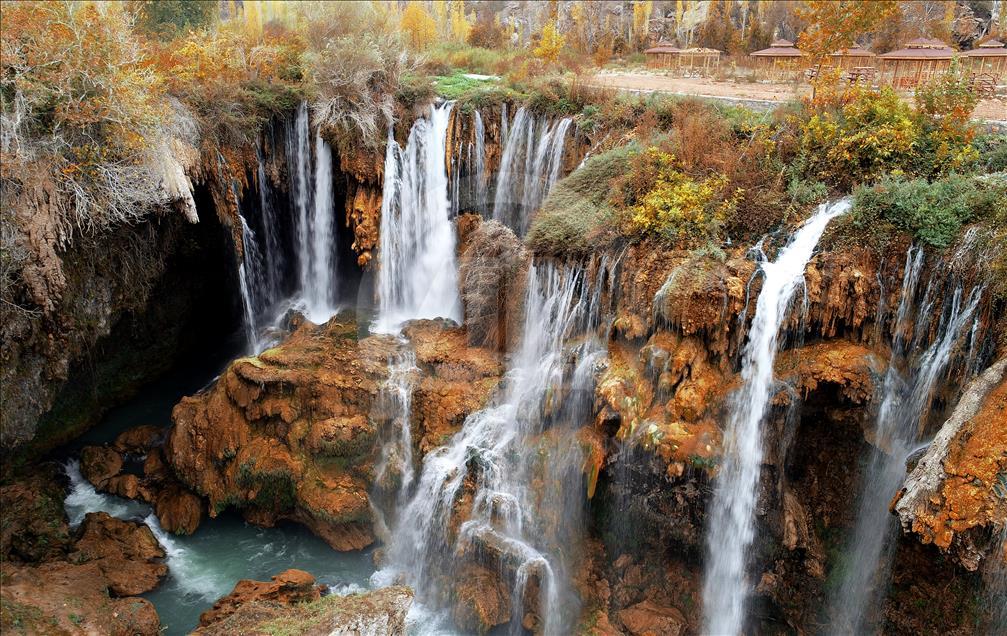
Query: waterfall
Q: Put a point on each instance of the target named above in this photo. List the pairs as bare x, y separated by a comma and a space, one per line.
299, 163
252, 284
548, 387
320, 288
312, 193
396, 403
905, 404
731, 529
479, 161
529, 166
274, 260
418, 275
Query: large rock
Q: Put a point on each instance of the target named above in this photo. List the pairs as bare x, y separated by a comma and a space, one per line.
34, 524
178, 510
139, 439
66, 598
954, 498
482, 600
127, 553
91, 589
649, 619
292, 433
290, 603
99, 464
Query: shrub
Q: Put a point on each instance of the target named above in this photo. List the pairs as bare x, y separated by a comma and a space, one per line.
870, 135
167, 19
657, 198
486, 33
931, 212
991, 152
81, 113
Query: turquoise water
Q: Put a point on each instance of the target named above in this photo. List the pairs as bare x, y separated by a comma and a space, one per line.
205, 566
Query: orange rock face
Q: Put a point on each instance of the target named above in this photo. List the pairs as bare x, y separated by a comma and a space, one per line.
958, 485
92, 588
128, 554
291, 434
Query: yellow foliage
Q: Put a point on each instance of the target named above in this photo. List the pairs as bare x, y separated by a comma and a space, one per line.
677, 206
418, 25
460, 24
551, 44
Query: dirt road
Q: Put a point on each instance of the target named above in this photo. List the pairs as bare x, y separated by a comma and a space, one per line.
754, 93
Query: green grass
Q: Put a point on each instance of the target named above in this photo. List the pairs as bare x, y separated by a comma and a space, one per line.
472, 93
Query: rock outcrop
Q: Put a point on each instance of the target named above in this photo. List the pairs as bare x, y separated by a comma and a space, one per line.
956, 496
286, 588
291, 604
178, 509
81, 583
291, 433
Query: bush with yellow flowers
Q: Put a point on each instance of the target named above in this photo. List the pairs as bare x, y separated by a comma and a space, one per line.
656, 198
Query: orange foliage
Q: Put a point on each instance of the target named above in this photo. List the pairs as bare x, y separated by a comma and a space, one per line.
77, 69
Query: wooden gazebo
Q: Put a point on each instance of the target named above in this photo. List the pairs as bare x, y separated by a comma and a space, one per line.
662, 56
990, 58
852, 57
780, 59
918, 62
698, 60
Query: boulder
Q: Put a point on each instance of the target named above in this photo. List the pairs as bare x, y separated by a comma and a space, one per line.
125, 485
139, 439
98, 464
127, 553
34, 524
178, 510
482, 600
649, 619
66, 598
286, 588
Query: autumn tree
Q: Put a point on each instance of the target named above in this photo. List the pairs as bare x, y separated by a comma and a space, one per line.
486, 32
168, 19
717, 31
82, 111
550, 44
642, 10
418, 25
459, 22
834, 25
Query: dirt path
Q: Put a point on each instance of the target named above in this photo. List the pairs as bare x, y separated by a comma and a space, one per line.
753, 92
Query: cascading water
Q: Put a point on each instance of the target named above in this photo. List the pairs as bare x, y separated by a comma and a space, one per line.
252, 285
320, 289
548, 389
272, 245
394, 471
479, 162
529, 167
299, 165
731, 529
418, 274
312, 193
904, 406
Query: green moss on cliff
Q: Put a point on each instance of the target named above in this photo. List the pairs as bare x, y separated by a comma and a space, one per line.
577, 218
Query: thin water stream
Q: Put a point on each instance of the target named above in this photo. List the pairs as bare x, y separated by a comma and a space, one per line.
731, 529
